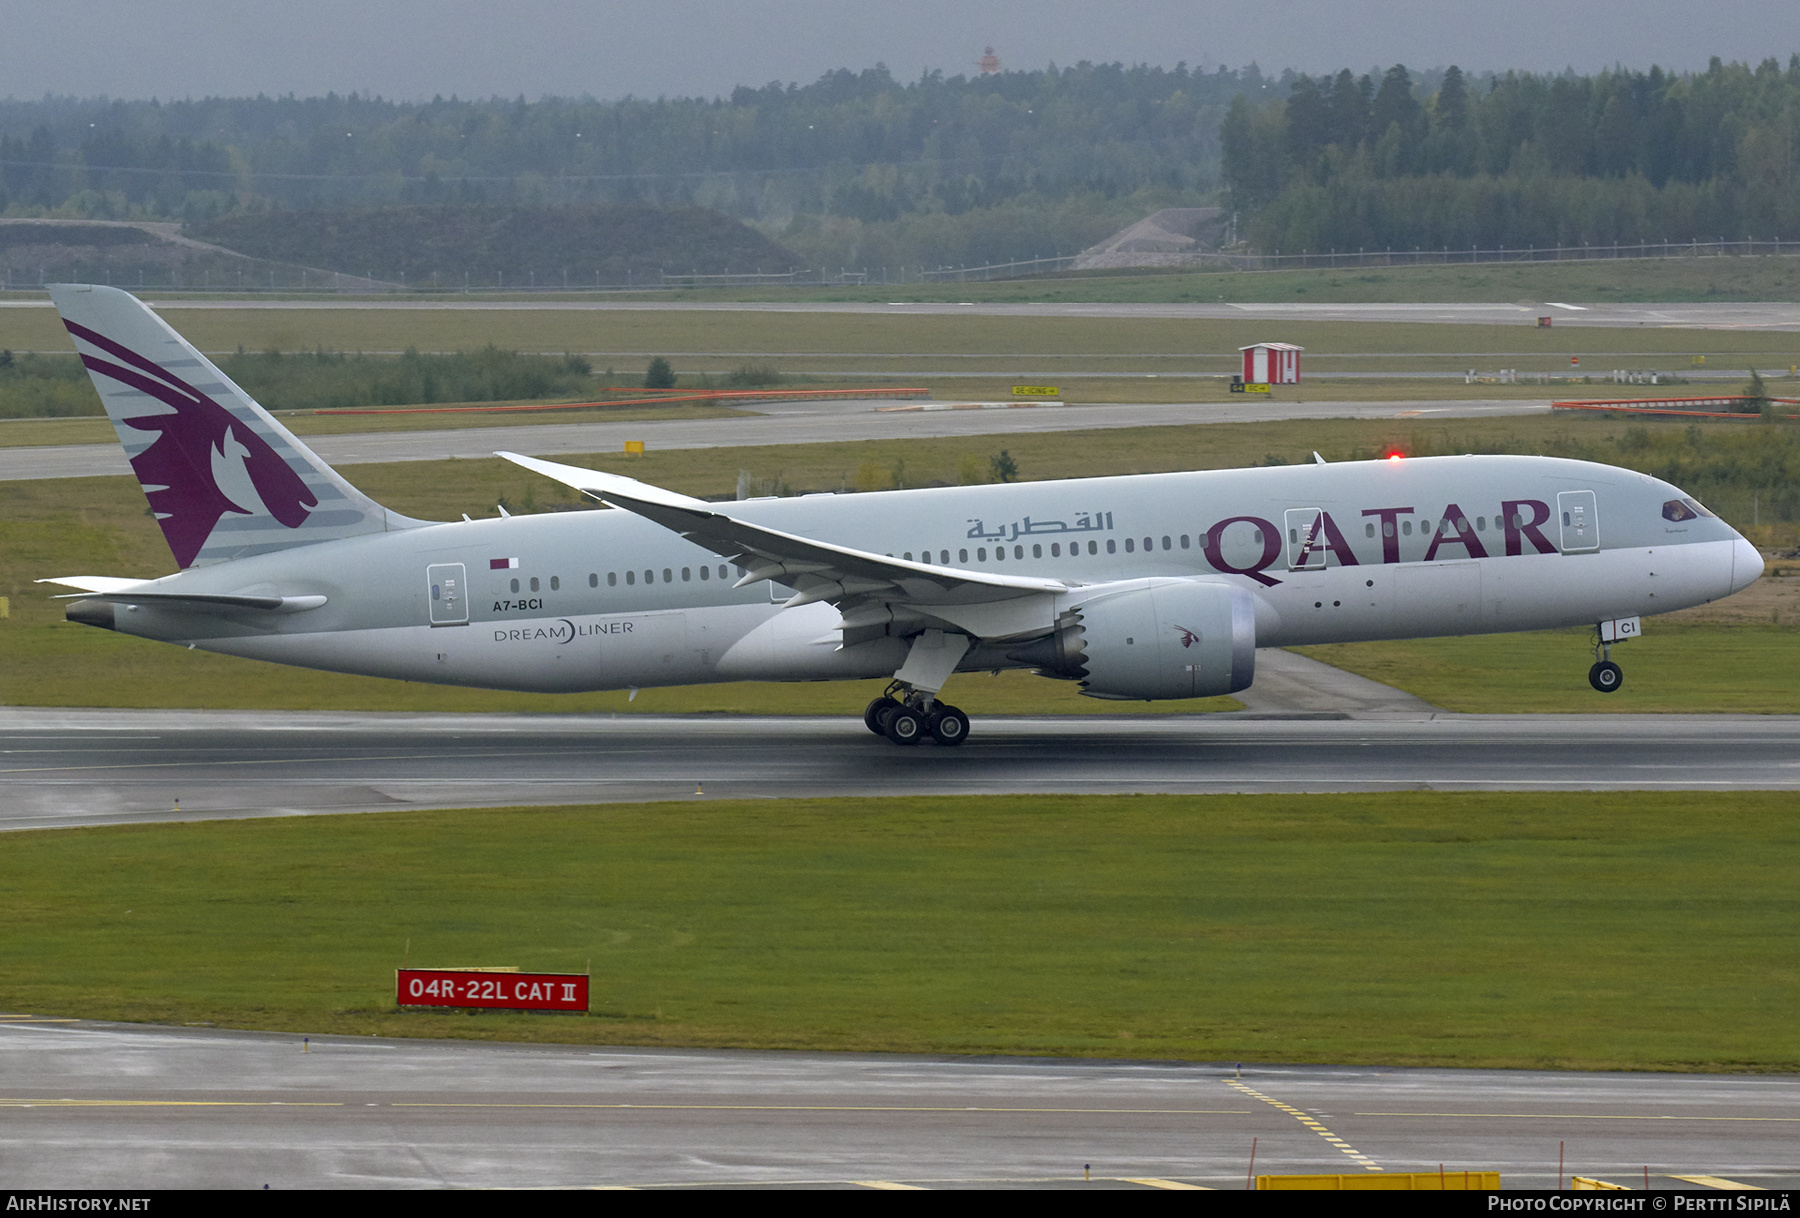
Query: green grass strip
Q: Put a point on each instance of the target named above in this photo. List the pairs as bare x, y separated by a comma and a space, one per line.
1672, 669
1625, 930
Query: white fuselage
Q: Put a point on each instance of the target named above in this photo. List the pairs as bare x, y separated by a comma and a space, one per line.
1332, 553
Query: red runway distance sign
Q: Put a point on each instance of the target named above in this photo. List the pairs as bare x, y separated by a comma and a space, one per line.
436, 987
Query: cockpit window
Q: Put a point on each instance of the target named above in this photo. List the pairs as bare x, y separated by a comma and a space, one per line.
1683, 509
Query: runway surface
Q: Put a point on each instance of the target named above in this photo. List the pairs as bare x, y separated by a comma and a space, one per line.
1704, 316
72, 767
109, 1106
775, 424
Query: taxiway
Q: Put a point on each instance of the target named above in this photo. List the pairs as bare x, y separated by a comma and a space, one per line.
116, 1107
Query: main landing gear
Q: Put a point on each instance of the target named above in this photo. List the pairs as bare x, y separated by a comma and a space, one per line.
908, 716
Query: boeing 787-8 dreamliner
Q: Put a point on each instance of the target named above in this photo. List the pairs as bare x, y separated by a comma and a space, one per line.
1145, 587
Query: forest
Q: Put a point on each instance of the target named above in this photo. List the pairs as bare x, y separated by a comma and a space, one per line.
1517, 161
856, 168
859, 169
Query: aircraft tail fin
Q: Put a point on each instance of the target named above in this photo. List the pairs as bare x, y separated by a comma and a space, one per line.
224, 479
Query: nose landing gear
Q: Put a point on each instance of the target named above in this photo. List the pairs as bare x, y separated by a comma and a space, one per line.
1605, 676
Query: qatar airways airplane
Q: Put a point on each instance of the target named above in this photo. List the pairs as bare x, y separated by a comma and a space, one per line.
1144, 587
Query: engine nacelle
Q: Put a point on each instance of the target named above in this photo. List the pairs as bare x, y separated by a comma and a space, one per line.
1153, 638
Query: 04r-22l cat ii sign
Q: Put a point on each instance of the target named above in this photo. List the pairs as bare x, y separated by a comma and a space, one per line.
1145, 587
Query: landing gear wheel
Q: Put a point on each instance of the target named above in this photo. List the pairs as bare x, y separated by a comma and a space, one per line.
948, 725
1606, 677
876, 713
904, 725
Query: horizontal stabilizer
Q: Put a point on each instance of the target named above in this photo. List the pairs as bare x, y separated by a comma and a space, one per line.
132, 592
95, 583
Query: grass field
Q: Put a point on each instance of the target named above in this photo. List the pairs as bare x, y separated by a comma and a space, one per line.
1673, 668
1629, 280
718, 341
1593, 931
1094, 360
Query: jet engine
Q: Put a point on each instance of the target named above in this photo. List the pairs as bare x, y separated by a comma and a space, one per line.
1154, 638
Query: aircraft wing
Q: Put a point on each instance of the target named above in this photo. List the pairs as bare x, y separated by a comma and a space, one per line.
870, 590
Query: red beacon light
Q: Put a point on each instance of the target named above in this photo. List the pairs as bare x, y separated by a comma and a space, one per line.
1395, 456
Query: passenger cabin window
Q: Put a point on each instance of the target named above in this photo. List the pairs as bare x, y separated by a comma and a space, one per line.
515, 585
962, 556
612, 579
631, 577
593, 580
534, 583
556, 583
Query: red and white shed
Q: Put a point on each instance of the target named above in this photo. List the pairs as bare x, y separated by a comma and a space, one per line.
1272, 364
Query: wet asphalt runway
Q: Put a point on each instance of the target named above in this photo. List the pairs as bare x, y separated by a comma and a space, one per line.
86, 767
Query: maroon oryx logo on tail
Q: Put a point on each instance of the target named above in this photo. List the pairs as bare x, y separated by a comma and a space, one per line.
178, 469
1188, 637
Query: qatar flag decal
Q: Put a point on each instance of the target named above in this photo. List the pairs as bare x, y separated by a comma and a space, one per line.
502, 564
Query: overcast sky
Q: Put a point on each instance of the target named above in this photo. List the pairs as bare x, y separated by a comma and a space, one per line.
413, 49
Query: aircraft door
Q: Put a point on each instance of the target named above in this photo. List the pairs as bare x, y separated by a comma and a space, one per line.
1580, 521
449, 594
1306, 549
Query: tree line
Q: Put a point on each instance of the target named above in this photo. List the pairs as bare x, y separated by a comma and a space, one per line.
1517, 160
858, 146
859, 169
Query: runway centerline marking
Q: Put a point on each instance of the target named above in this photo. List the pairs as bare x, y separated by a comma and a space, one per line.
1311, 1123
828, 1108
202, 764
104, 1103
